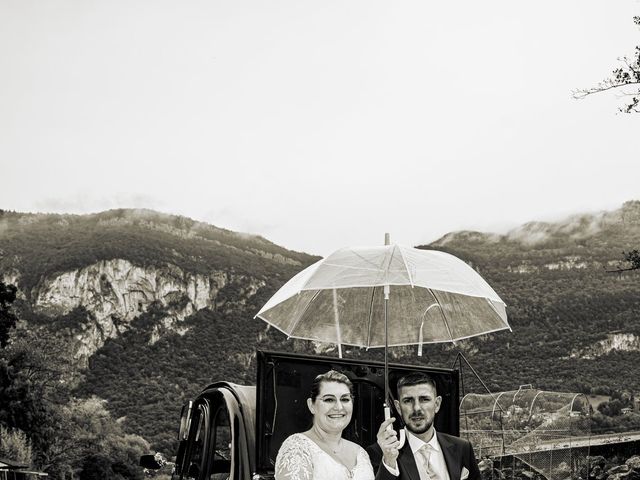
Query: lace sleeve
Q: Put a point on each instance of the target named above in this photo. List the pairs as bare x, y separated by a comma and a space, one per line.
294, 460
364, 465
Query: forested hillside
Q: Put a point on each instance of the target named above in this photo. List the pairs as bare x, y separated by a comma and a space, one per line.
39, 245
562, 299
162, 302
567, 311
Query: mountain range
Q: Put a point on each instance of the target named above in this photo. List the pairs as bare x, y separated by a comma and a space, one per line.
155, 306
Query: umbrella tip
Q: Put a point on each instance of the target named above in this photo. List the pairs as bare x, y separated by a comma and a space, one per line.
387, 239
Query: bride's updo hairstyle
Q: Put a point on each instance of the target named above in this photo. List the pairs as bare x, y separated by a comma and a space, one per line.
330, 376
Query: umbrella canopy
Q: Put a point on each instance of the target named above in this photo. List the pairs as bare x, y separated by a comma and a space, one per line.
432, 297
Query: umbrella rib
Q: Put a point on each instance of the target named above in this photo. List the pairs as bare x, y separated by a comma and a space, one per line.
385, 270
444, 318
404, 260
493, 307
337, 320
306, 307
316, 265
373, 293
375, 267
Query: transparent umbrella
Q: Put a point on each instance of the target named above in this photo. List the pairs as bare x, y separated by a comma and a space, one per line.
385, 296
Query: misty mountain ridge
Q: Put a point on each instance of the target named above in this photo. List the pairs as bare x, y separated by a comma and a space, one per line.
157, 305
574, 227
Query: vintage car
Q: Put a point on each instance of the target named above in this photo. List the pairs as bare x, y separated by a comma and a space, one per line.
233, 432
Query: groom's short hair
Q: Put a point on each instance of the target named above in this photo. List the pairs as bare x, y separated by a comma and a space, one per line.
415, 378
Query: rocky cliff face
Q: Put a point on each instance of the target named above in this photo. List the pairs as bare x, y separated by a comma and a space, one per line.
568, 263
614, 341
12, 277
116, 291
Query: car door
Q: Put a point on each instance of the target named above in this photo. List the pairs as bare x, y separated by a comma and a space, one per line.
191, 461
222, 443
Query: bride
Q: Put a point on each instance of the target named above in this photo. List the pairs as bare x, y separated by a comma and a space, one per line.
321, 452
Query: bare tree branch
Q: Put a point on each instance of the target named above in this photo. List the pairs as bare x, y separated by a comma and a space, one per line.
628, 75
601, 87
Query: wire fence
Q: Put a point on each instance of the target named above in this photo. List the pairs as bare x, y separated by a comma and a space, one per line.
528, 433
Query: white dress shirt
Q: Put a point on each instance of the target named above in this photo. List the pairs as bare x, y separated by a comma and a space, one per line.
436, 458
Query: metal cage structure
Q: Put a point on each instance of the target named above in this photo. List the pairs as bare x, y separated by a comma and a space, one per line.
528, 430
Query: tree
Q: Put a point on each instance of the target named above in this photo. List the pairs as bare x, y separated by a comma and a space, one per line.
66, 434
612, 408
96, 467
627, 75
94, 444
7, 318
633, 258
631, 261
15, 445
35, 377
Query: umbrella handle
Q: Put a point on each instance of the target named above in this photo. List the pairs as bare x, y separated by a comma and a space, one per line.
403, 436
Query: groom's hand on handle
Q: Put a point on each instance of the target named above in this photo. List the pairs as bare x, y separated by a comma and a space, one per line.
388, 442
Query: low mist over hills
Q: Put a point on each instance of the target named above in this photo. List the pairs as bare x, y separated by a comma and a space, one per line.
155, 306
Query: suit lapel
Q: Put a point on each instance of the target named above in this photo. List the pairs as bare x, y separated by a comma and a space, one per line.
451, 457
405, 458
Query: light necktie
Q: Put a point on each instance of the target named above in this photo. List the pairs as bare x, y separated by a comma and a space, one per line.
425, 451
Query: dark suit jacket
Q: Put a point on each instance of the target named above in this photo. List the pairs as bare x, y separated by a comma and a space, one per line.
457, 453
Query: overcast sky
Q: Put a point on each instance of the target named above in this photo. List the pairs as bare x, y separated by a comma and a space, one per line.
317, 124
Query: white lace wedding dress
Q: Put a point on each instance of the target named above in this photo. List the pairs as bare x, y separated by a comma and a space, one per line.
300, 458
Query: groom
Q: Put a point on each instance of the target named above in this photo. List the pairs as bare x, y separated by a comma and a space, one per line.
426, 454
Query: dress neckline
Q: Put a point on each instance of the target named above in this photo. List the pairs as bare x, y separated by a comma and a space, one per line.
350, 470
